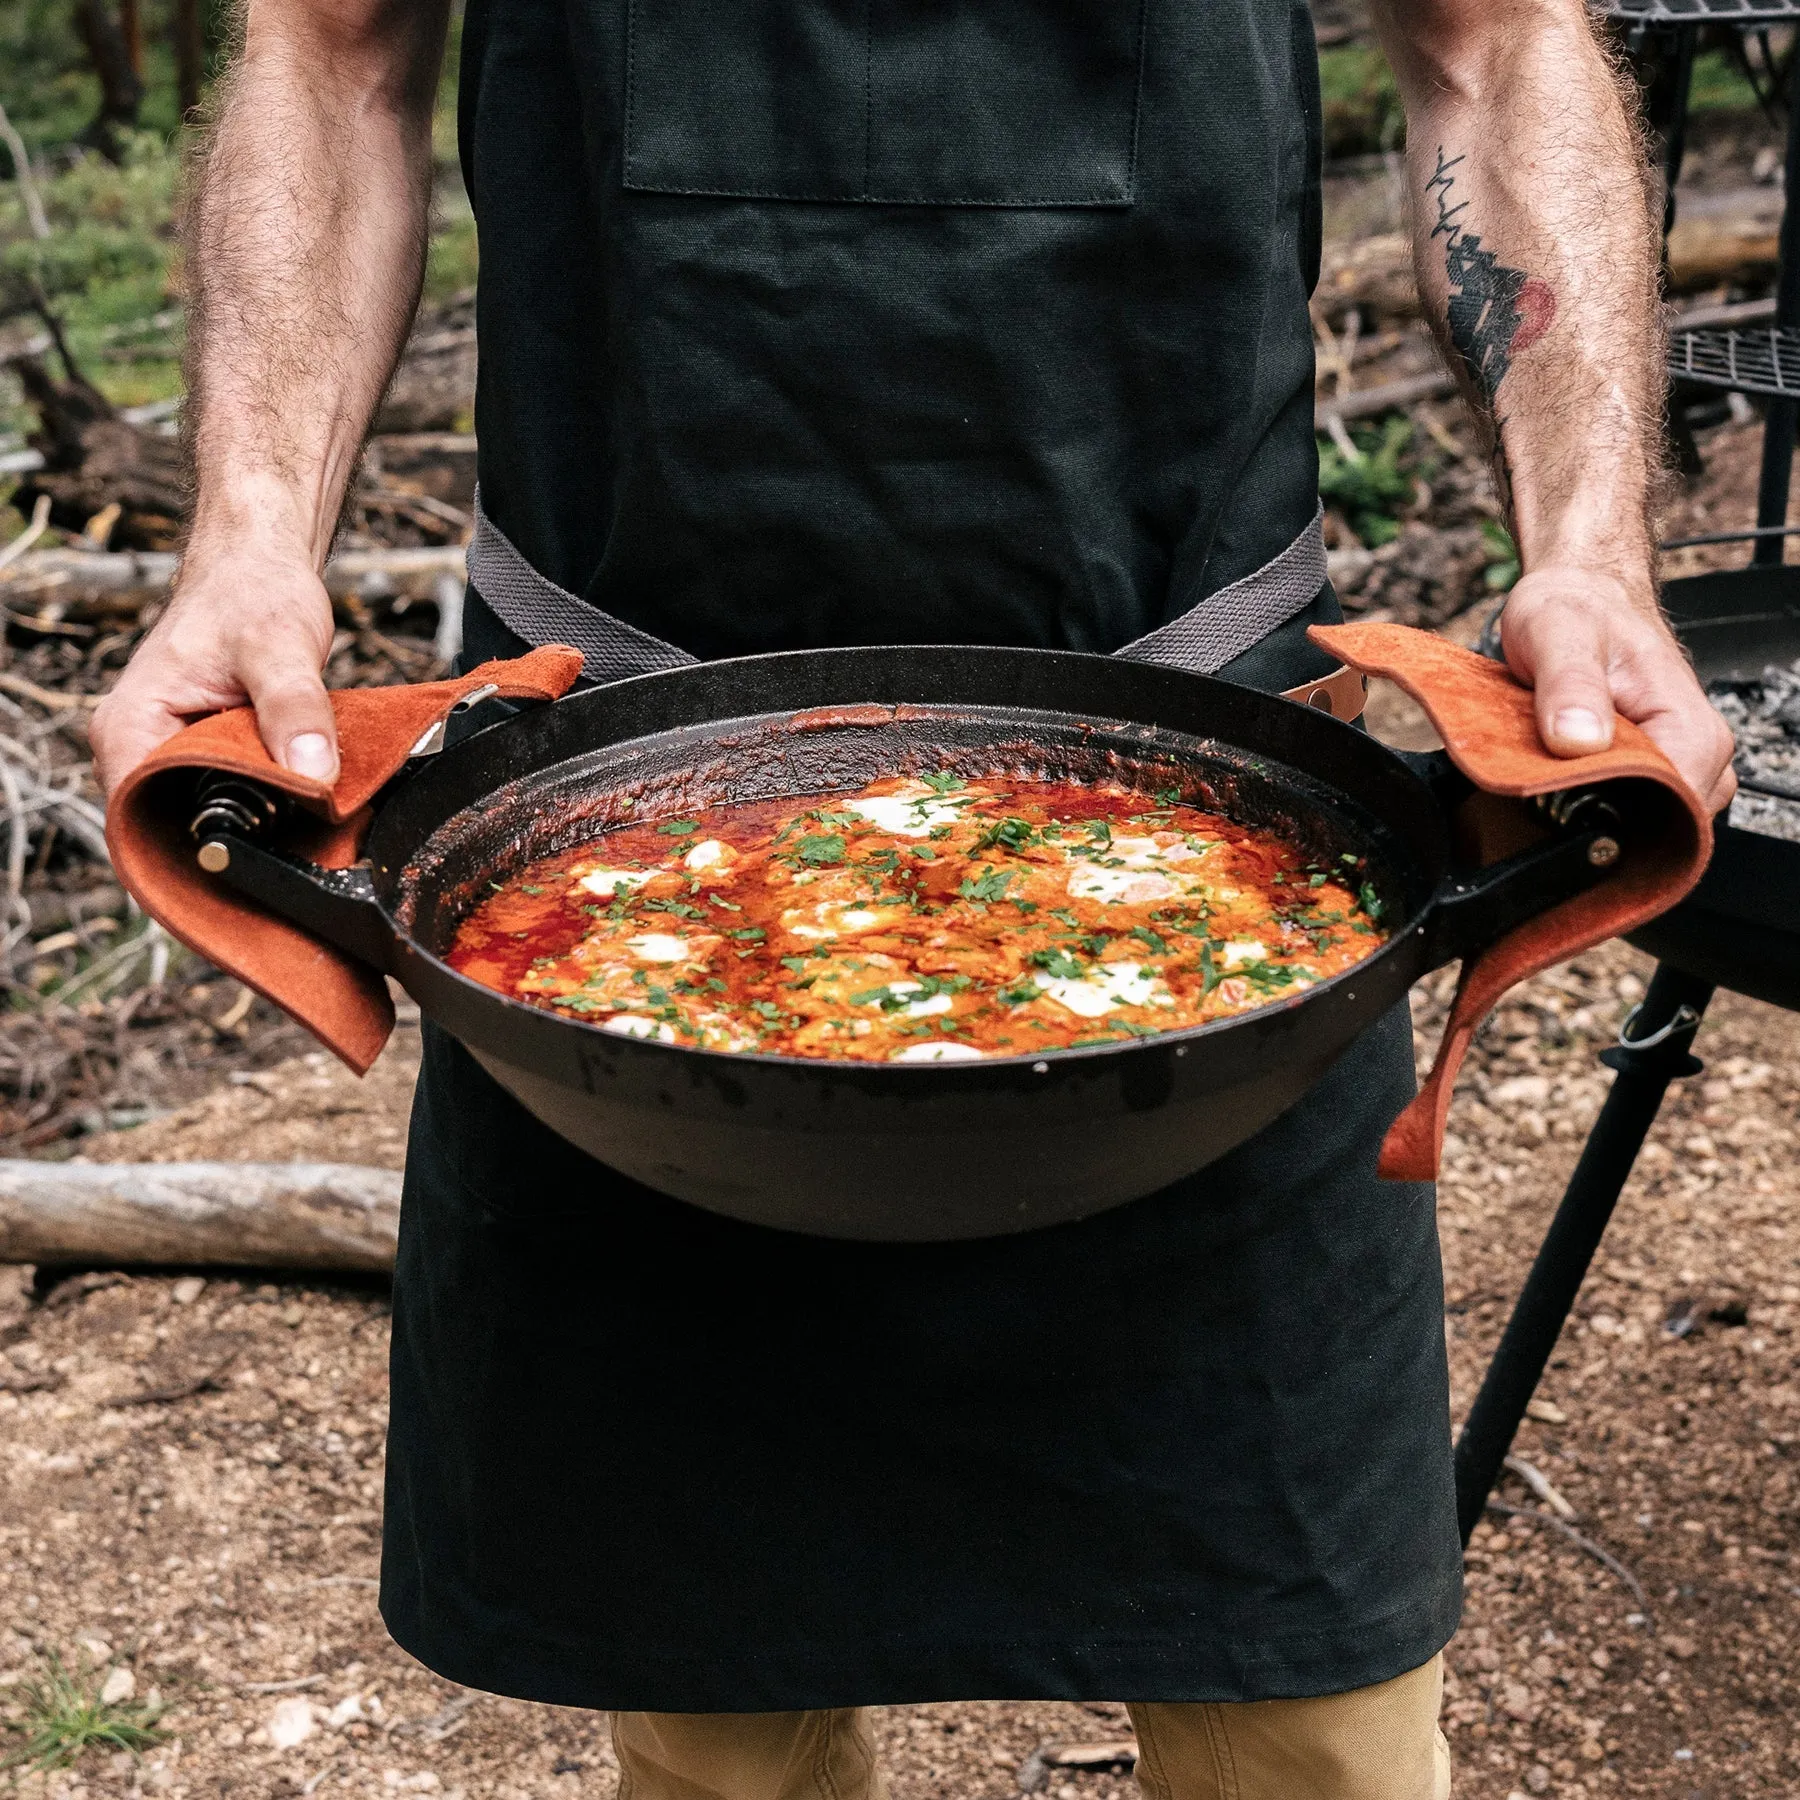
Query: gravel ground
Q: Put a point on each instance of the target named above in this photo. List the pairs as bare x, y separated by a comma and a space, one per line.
221, 1548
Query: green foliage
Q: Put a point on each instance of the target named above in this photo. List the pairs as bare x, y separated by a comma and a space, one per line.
1503, 556
1363, 112
49, 88
1720, 84
1372, 488
62, 1714
1361, 103
108, 225
108, 267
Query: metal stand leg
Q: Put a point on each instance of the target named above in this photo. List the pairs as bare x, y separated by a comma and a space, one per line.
1779, 421
1652, 1051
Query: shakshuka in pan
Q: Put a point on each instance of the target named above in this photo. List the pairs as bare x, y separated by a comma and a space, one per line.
922, 920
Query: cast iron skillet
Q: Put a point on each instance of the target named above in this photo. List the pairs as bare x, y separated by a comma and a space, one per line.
912, 1151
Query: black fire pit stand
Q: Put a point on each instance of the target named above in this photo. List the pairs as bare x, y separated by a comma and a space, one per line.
1653, 1050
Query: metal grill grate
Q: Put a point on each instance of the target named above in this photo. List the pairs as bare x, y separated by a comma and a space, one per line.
1763, 361
1702, 12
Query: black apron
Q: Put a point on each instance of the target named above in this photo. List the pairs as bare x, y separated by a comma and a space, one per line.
916, 321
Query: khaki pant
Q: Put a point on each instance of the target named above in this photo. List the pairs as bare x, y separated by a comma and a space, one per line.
1374, 1743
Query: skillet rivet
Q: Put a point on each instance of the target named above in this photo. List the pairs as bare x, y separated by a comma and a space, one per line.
1603, 852
1040, 1068
214, 857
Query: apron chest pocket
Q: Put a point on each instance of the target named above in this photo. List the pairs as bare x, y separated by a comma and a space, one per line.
897, 102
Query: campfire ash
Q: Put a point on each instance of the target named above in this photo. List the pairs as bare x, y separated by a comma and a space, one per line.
1765, 718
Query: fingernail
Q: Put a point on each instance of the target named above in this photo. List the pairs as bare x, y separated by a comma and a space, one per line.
1576, 725
310, 754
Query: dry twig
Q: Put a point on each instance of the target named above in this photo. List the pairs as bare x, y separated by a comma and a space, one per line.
1575, 1537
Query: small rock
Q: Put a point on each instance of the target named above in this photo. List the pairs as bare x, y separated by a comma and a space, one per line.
1546, 1412
1680, 1647
188, 1289
1520, 1090
96, 1646
1592, 1750
348, 1711
1537, 1778
118, 1687
1517, 1703
292, 1722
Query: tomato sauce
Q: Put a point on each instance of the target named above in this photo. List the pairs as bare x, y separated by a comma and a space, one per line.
922, 919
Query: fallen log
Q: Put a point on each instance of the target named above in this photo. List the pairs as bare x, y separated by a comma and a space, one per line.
253, 1215
51, 586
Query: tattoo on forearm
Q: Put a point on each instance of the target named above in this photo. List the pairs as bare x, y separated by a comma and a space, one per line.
1494, 312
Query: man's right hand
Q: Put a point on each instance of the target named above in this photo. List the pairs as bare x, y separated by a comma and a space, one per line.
243, 628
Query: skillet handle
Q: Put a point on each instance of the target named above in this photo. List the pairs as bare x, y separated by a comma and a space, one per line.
1473, 909
336, 905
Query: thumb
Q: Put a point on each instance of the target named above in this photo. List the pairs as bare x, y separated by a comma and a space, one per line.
294, 716
1563, 656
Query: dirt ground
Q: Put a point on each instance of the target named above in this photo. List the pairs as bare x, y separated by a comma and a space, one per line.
222, 1547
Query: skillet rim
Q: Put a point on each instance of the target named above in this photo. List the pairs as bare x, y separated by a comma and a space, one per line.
390, 877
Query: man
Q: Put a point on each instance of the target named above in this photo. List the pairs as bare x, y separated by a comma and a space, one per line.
931, 321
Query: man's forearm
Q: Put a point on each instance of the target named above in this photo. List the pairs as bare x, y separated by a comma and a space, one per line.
306, 250
1536, 259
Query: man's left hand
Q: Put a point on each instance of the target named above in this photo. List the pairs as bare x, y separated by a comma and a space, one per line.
1588, 645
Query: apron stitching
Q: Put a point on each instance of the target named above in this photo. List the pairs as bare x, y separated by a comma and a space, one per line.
1137, 102
868, 94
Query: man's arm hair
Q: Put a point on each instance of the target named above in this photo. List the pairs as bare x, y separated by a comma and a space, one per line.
1536, 252
306, 238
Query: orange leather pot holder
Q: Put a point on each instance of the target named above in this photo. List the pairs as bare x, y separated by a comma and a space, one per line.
342, 1002
1489, 728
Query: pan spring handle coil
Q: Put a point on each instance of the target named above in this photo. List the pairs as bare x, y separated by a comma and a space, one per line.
1579, 809
229, 803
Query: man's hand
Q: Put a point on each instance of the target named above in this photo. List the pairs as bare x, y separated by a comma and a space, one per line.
1588, 646
246, 627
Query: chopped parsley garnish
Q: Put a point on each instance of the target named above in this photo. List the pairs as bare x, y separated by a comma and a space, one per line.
1060, 964
1008, 834
1021, 993
1148, 938
821, 850
990, 885
1209, 970
677, 828
1370, 901
943, 782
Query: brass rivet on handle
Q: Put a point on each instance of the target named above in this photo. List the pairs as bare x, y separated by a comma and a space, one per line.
1603, 852
214, 857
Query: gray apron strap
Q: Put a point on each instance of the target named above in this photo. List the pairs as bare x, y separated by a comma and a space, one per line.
1227, 623
1204, 639
536, 609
